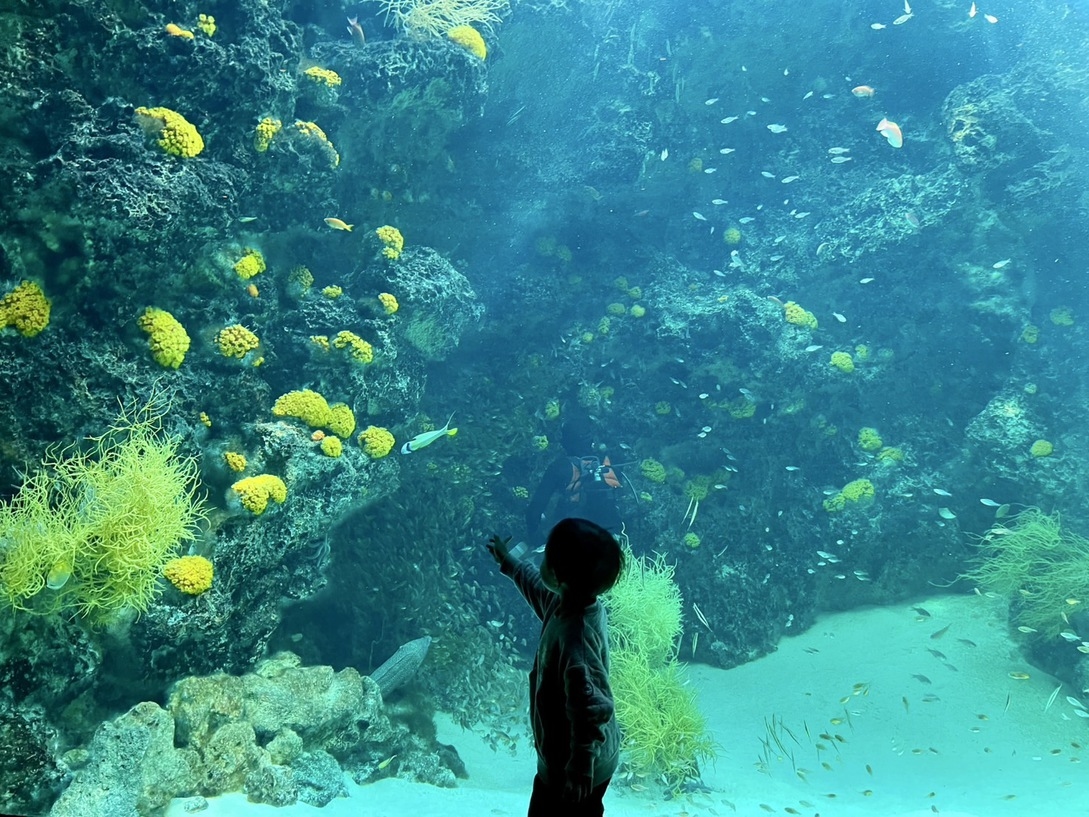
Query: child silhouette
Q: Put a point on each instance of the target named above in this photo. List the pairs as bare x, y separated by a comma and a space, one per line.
570, 701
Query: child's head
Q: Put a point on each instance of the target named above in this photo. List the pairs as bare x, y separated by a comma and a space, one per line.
583, 556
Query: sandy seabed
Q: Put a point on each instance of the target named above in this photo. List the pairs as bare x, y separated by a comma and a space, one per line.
925, 729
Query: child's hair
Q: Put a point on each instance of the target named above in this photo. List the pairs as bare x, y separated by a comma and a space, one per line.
584, 556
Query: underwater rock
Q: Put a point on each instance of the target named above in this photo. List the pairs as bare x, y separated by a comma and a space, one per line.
438, 304
319, 778
29, 775
133, 768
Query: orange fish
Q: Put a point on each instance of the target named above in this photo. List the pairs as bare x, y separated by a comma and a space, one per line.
338, 224
891, 131
863, 91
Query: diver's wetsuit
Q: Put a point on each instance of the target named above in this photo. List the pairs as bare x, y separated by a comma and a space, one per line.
570, 700
598, 504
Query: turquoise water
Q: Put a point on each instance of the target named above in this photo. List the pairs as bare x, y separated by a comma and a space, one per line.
810, 276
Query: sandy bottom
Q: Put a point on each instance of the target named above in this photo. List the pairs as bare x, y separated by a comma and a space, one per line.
912, 733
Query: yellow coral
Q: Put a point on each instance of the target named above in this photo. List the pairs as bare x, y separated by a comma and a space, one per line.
332, 292
376, 442
469, 39
265, 132
236, 341
1042, 448
331, 446
190, 574
732, 236
389, 302
250, 264
321, 341
362, 352
305, 405
859, 492
255, 492
393, 240
235, 461
842, 361
653, 470
175, 30
207, 24
168, 339
869, 439
637, 310
26, 309
205, 420
341, 420
799, 316
323, 76
176, 135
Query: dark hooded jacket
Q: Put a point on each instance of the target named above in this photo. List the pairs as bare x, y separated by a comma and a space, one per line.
570, 700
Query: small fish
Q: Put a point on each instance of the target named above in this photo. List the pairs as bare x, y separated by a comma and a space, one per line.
809, 94
967, 642
247, 219
877, 26
903, 18
863, 91
973, 11
789, 179
426, 438
1019, 676
777, 128
726, 151
710, 101
1074, 702
838, 151
704, 395
921, 678
801, 215
936, 653
945, 513
942, 492
1001, 264
718, 201
664, 154
777, 258
839, 317
729, 119
59, 575
1066, 635
838, 160
892, 133
356, 30
698, 216
767, 175
793, 468
922, 611
338, 224
990, 18
710, 170
939, 633
990, 503
386, 762
1026, 629
1081, 713
706, 429
746, 220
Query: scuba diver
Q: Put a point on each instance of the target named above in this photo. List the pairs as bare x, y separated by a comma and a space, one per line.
585, 484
